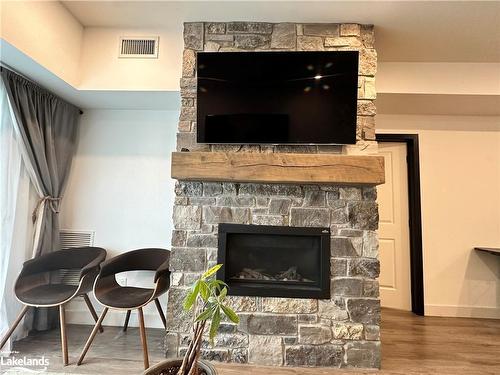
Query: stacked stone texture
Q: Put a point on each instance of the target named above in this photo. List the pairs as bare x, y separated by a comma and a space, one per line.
342, 331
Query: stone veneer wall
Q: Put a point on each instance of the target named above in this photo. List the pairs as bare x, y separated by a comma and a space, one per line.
342, 331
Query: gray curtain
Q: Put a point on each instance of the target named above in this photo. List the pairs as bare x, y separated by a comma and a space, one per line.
46, 127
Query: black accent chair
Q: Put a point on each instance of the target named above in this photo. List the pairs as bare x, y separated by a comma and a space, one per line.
34, 286
113, 296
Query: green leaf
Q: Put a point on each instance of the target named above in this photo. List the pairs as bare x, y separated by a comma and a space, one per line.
216, 285
211, 271
230, 314
204, 290
212, 299
214, 326
218, 282
205, 315
223, 294
191, 296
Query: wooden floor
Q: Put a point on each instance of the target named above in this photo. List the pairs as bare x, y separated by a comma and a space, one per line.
410, 345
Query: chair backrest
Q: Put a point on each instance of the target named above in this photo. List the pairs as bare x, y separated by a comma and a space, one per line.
38, 270
72, 239
64, 259
79, 257
135, 260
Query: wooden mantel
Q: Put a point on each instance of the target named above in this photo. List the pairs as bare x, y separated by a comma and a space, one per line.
278, 168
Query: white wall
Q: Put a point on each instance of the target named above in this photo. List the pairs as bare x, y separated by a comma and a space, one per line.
120, 187
101, 69
460, 191
439, 78
47, 32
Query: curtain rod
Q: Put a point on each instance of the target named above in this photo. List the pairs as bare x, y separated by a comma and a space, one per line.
8, 67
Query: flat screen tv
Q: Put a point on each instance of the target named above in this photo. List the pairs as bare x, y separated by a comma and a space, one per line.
277, 97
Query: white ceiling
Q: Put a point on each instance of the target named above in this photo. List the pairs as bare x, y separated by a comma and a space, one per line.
425, 31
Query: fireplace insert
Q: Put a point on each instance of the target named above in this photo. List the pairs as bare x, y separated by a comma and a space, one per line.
275, 261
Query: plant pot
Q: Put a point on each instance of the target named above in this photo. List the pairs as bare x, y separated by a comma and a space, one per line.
173, 365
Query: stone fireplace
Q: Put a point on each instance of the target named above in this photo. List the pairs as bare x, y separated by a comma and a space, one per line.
307, 291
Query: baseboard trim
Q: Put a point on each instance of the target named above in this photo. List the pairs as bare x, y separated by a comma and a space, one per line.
462, 311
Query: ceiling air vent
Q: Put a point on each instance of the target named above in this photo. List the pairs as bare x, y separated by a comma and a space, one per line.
139, 47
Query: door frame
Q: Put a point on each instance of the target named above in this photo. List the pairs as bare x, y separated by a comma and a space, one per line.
415, 216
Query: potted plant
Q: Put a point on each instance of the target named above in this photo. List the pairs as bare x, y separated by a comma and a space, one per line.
206, 300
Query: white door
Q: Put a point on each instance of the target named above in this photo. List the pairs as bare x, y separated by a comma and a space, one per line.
394, 237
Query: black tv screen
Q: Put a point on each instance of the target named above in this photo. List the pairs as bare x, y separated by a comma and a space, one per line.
277, 97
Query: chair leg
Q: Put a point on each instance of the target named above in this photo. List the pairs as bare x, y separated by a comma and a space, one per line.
92, 310
64, 338
160, 311
14, 326
127, 317
92, 336
143, 339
